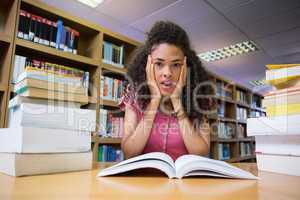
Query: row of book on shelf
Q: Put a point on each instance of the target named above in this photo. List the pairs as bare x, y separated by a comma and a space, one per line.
224, 151
222, 91
229, 130
111, 88
277, 135
110, 125
109, 153
241, 96
46, 32
113, 54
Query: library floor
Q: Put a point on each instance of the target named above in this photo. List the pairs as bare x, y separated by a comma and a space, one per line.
85, 185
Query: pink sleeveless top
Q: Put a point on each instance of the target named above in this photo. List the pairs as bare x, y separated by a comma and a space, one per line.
165, 135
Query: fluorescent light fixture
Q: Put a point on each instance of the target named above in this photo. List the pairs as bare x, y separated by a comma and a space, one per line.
256, 83
226, 52
91, 3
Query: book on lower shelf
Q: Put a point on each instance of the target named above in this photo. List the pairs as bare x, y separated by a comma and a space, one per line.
184, 166
110, 126
245, 149
111, 88
224, 151
109, 153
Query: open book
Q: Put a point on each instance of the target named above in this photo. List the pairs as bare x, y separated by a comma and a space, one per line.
186, 165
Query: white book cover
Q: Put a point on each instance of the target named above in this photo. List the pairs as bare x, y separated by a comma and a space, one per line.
43, 140
278, 144
52, 116
186, 165
18, 100
282, 164
14, 164
278, 125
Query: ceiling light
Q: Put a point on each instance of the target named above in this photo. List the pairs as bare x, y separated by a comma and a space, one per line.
226, 52
256, 83
91, 3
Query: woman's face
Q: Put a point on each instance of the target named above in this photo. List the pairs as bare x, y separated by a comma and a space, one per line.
168, 60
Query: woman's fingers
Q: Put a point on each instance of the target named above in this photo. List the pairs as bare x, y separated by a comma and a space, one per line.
184, 71
148, 68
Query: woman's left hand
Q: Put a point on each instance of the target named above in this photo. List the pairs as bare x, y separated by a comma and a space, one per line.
176, 94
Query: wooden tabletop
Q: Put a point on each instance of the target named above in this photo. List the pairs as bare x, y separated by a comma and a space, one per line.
85, 185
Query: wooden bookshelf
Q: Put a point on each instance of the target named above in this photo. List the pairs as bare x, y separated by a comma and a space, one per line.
231, 102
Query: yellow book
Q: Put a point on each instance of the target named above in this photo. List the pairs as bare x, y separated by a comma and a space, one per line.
284, 109
279, 66
283, 77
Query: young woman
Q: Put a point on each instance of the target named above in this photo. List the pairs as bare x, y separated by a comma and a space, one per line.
167, 97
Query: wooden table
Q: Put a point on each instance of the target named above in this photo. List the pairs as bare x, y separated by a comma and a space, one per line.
85, 185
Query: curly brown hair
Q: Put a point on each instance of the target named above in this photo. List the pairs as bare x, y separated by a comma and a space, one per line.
170, 33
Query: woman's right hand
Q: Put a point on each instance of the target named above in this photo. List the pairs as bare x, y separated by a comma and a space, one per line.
154, 89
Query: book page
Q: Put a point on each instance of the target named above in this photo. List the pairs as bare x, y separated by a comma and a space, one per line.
194, 164
155, 160
149, 156
156, 164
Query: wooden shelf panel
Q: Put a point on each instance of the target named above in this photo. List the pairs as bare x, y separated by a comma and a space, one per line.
241, 158
92, 100
242, 121
54, 52
258, 109
2, 88
223, 140
225, 99
110, 103
226, 119
5, 38
104, 140
111, 68
243, 104
247, 139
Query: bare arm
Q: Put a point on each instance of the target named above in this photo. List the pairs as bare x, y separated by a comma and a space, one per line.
196, 139
136, 133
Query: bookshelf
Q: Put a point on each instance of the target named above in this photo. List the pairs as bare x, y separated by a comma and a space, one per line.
89, 58
235, 104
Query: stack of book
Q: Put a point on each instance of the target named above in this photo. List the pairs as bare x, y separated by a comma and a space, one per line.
278, 135
47, 130
36, 78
